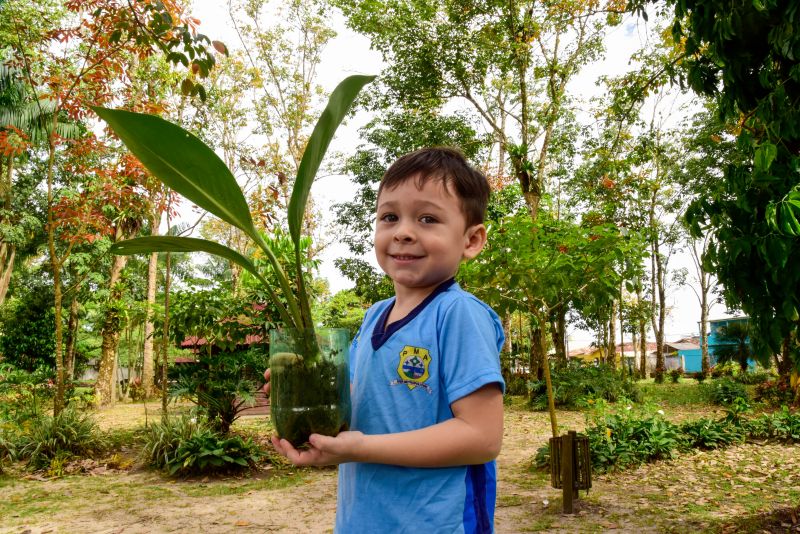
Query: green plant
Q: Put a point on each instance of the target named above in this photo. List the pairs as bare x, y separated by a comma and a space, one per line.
220, 383
711, 434
676, 374
574, 383
724, 391
182, 446
68, 434
187, 165
783, 425
621, 440
23, 393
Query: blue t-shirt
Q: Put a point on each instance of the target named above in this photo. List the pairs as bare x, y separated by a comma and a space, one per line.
405, 378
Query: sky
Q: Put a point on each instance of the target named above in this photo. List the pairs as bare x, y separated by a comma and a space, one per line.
349, 53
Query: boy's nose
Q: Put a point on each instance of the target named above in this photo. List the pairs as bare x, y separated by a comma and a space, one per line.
403, 233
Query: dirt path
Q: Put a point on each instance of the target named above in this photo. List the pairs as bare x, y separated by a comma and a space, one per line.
693, 493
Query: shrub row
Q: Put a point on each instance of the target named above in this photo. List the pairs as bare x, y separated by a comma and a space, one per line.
625, 439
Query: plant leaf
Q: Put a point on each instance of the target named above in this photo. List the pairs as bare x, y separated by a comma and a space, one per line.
183, 162
338, 105
147, 245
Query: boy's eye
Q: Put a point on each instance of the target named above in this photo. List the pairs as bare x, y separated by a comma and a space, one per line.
388, 217
427, 219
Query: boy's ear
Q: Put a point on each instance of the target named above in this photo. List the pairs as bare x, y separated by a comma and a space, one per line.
474, 241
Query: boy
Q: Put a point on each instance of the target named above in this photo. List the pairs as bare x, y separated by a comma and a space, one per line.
426, 387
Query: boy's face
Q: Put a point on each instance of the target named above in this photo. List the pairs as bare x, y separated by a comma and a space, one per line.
421, 235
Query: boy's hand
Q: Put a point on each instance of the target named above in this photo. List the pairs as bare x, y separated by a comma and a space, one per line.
265, 388
323, 450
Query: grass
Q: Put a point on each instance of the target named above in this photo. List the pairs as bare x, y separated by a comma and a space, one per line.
685, 393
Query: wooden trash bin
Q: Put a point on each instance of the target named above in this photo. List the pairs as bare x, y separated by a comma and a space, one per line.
570, 466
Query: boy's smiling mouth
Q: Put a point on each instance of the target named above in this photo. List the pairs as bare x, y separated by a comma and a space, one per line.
404, 258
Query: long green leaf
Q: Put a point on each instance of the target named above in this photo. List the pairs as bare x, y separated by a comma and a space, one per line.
338, 105
183, 162
147, 245
167, 243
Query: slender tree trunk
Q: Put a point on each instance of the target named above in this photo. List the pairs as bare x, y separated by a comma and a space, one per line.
148, 362
705, 359
55, 264
536, 357
612, 336
72, 337
642, 337
165, 339
110, 332
7, 249
507, 331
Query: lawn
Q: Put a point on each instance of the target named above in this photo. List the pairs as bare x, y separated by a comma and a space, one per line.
745, 488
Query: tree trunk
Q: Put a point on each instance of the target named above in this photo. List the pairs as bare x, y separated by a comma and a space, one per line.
536, 357
55, 264
507, 347
612, 336
71, 338
165, 336
7, 254
7, 250
642, 337
110, 332
148, 363
705, 359
558, 328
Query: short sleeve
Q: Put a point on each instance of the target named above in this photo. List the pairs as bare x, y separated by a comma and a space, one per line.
470, 339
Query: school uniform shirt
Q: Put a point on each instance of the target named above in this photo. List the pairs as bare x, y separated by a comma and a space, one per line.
405, 377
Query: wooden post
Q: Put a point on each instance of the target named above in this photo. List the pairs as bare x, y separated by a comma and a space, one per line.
567, 475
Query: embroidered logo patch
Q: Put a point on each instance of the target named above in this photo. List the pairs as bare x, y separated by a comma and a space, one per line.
413, 367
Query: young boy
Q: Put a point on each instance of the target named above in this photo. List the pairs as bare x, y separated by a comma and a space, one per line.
426, 387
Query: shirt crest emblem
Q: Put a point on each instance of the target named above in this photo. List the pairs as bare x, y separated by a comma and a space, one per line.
413, 367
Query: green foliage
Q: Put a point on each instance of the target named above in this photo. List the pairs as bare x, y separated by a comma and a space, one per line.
22, 393
783, 425
734, 340
711, 434
576, 384
343, 310
625, 438
28, 336
724, 391
676, 374
751, 212
46, 438
220, 383
182, 446
187, 165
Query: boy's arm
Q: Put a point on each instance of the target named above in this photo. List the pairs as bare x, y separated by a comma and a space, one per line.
472, 436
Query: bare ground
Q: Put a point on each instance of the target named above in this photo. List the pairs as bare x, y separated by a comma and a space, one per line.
733, 490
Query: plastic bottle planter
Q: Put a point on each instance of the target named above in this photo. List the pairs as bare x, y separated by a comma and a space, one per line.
309, 382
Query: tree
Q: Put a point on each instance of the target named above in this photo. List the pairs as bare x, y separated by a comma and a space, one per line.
511, 62
734, 340
97, 41
751, 212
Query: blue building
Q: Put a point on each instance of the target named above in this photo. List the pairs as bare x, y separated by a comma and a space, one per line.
692, 358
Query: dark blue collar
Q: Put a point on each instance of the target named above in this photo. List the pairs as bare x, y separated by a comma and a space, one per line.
383, 332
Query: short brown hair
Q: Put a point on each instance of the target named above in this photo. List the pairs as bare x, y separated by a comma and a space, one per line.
451, 167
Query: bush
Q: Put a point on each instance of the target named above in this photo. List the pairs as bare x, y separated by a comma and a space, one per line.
46, 439
676, 374
722, 370
783, 425
574, 383
758, 376
622, 440
774, 392
221, 384
711, 434
725, 391
182, 446
23, 393
516, 384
